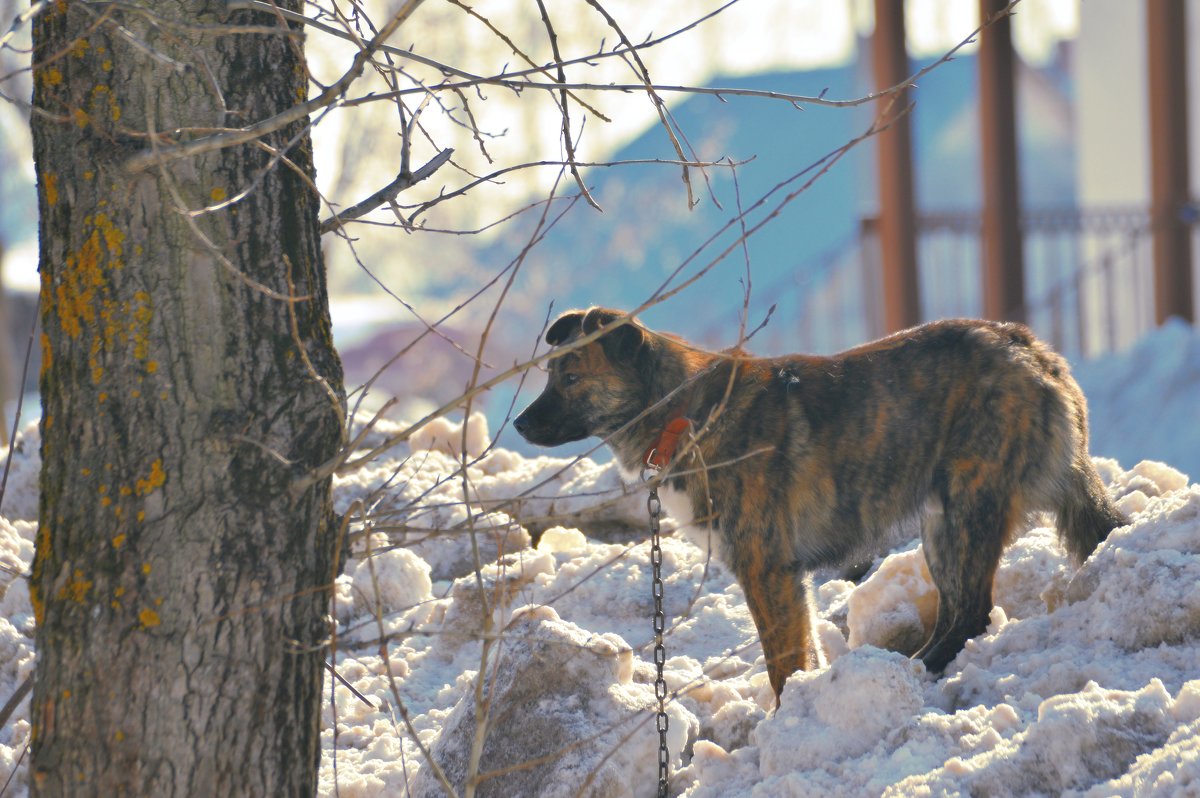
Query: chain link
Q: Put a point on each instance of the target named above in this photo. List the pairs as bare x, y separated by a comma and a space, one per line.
654, 506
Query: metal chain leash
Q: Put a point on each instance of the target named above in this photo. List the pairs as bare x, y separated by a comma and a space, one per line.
654, 506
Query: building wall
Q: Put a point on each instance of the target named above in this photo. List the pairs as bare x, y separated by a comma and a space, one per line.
1113, 153
1113, 159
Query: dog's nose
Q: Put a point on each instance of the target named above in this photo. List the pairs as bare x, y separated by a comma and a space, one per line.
521, 424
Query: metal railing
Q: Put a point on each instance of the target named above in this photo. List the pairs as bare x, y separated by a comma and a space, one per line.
1088, 280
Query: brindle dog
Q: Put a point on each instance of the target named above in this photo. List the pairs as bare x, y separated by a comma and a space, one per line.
801, 462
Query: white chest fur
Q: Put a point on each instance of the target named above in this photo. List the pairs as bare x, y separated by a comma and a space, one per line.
701, 534
678, 505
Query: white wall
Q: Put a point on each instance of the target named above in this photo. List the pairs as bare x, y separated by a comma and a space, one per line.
1113, 153
1112, 122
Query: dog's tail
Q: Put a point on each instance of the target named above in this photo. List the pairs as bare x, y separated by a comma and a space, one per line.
1086, 515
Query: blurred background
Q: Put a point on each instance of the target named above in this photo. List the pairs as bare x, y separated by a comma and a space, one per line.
1042, 174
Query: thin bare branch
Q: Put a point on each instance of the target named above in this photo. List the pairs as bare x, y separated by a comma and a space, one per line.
659, 105
517, 51
329, 96
564, 106
388, 193
292, 16
510, 80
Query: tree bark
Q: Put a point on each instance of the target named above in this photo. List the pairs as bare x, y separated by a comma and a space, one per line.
181, 576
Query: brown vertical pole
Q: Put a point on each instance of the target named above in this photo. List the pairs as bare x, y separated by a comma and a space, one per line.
1166, 46
1003, 260
897, 219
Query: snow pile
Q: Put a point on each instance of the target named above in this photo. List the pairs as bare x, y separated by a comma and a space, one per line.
1083, 681
18, 514
1096, 690
894, 606
421, 498
557, 686
1086, 681
391, 580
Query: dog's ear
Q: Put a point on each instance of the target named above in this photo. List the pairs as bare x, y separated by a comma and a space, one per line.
565, 326
620, 344
623, 343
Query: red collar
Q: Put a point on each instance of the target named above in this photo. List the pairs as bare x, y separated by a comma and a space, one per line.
659, 455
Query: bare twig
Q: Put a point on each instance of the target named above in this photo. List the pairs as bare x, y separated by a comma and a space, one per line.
22, 19
510, 80
517, 51
292, 16
342, 679
564, 108
14, 701
200, 235
281, 120
404, 180
648, 85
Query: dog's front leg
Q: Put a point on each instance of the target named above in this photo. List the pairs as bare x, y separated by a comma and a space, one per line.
778, 596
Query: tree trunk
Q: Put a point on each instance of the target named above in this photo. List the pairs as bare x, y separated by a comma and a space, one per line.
181, 573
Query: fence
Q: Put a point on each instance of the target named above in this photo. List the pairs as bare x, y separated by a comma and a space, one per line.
1088, 280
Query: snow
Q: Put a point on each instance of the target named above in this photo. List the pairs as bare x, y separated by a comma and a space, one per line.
1144, 402
1085, 683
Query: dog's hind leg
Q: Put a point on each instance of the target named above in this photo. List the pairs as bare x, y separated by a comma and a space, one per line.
962, 549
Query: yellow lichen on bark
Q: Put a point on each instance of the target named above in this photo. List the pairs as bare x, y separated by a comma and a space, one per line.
82, 296
82, 291
75, 295
114, 239
47, 353
155, 480
77, 589
46, 297
41, 553
102, 95
139, 325
94, 362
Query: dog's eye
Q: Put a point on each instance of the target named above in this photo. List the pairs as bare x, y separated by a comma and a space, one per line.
570, 379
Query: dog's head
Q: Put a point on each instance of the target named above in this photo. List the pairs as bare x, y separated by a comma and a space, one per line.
592, 390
